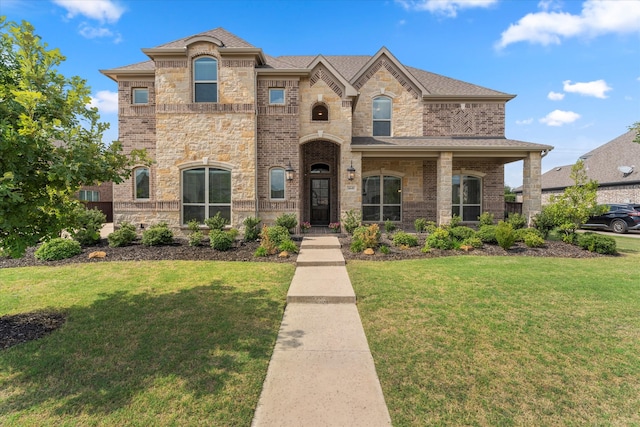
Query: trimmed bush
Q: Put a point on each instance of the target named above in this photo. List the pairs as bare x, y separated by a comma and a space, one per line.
157, 235
89, 222
389, 226
216, 222
195, 234
597, 243
251, 230
455, 221
420, 225
533, 239
505, 235
487, 233
357, 246
221, 240
58, 248
474, 242
261, 251
271, 238
289, 246
385, 249
351, 220
545, 221
485, 218
461, 232
123, 236
288, 221
431, 227
517, 221
404, 239
439, 239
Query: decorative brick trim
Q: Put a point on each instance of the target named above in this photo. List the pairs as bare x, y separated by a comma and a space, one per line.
262, 83
243, 205
325, 76
391, 68
237, 63
138, 110
170, 206
205, 108
347, 103
278, 110
269, 206
136, 83
172, 63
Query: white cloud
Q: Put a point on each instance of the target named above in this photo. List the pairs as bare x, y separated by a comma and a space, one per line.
597, 88
448, 8
100, 10
559, 118
105, 101
596, 18
524, 122
89, 32
555, 96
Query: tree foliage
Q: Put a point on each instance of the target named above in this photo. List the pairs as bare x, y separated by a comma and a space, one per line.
636, 128
50, 141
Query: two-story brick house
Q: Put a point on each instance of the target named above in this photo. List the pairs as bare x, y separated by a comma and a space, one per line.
233, 130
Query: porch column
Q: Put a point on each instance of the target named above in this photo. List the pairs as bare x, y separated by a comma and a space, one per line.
444, 181
532, 185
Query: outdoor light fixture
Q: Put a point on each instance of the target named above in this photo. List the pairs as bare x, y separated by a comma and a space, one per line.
351, 172
288, 172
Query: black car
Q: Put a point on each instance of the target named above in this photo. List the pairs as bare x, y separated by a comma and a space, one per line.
620, 218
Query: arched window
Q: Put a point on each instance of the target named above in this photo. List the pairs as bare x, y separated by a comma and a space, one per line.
276, 183
320, 113
205, 192
381, 198
141, 183
205, 80
466, 197
382, 116
320, 168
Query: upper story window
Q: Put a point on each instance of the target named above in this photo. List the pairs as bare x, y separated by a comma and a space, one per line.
466, 197
205, 80
320, 113
89, 195
276, 96
276, 183
140, 96
142, 186
382, 116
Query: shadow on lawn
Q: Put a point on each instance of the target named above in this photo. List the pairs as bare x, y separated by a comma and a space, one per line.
122, 345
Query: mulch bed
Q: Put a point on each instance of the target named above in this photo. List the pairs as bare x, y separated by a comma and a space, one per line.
20, 328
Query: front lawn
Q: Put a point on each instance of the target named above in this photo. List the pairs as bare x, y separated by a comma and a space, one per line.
144, 343
505, 340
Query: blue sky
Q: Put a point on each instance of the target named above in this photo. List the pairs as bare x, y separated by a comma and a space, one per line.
574, 65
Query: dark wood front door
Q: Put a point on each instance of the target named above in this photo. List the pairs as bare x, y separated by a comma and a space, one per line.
320, 206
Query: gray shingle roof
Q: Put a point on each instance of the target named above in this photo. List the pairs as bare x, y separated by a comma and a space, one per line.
602, 164
439, 143
229, 40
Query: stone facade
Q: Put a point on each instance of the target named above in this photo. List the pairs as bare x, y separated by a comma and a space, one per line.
245, 134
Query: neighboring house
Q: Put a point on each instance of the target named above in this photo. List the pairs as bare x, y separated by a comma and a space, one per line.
614, 165
98, 196
233, 130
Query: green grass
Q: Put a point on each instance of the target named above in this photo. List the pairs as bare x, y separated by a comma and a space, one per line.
507, 340
148, 343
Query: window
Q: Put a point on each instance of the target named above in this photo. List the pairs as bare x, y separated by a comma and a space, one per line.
381, 198
205, 192
205, 80
276, 182
89, 196
142, 183
466, 197
276, 96
140, 96
382, 116
320, 168
320, 113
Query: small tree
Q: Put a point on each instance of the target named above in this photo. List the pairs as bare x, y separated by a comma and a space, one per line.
636, 128
572, 208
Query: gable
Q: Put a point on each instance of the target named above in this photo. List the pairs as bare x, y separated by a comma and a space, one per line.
384, 60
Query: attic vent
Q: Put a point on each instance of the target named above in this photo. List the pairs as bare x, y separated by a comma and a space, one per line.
626, 170
558, 169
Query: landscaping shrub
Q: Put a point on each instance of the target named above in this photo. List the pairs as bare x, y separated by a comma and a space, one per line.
369, 235
357, 246
351, 220
455, 221
404, 239
485, 218
157, 235
251, 231
474, 242
271, 238
261, 251
58, 248
545, 221
533, 239
461, 232
195, 234
385, 249
505, 235
517, 221
216, 222
431, 227
221, 240
420, 225
439, 239
288, 221
288, 246
88, 223
487, 233
597, 243
389, 226
123, 236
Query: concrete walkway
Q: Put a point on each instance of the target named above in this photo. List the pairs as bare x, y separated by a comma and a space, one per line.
321, 372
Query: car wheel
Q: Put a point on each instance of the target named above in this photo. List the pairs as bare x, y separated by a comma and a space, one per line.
619, 226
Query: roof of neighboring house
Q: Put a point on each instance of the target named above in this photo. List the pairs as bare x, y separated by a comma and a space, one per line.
349, 66
606, 164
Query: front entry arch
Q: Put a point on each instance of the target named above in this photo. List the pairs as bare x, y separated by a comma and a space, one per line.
320, 160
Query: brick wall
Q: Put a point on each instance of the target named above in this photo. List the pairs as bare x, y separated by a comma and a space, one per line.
470, 119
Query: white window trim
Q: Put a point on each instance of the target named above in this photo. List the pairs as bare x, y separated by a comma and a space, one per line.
193, 78
133, 95
284, 180
284, 95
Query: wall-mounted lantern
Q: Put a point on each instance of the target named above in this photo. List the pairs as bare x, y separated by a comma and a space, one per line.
351, 172
289, 172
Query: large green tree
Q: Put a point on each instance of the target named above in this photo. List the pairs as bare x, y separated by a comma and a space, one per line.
50, 141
